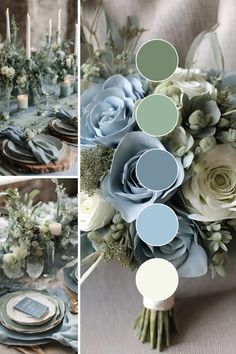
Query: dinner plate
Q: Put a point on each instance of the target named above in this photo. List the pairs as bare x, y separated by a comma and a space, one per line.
15, 154
23, 318
18, 150
64, 131
31, 329
64, 125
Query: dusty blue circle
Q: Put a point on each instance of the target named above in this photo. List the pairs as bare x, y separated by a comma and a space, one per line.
157, 169
157, 225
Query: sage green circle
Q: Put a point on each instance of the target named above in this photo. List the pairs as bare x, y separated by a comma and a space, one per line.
157, 115
157, 60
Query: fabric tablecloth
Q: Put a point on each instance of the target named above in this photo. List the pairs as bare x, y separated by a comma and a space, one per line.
110, 303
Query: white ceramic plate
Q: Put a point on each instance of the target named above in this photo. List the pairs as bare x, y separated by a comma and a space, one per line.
23, 318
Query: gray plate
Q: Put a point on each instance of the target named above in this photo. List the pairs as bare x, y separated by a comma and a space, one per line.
64, 125
63, 131
14, 152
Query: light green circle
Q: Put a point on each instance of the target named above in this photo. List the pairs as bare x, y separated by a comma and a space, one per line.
157, 115
157, 60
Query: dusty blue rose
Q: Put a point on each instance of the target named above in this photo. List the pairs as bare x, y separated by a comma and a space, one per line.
107, 110
121, 186
184, 252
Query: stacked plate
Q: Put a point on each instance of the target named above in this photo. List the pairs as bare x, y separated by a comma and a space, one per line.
71, 278
17, 153
64, 130
17, 322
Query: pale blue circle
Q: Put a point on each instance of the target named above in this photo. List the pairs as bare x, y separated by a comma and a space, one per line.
157, 169
157, 225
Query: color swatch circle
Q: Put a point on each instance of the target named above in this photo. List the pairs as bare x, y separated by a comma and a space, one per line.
157, 115
157, 279
157, 60
157, 224
157, 169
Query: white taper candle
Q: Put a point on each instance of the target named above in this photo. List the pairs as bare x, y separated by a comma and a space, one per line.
28, 39
8, 31
59, 27
50, 31
76, 39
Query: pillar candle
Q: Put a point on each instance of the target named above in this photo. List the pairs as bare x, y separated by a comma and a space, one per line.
28, 39
8, 31
22, 101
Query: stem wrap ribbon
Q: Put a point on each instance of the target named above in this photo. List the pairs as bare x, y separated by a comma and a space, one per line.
163, 305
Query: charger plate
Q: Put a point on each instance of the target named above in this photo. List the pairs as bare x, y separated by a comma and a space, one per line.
29, 329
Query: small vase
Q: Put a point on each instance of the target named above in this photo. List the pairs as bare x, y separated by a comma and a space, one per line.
13, 271
50, 259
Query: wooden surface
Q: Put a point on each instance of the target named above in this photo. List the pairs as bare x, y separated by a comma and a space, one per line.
65, 162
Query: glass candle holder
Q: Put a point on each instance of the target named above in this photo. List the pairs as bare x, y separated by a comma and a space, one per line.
22, 102
65, 88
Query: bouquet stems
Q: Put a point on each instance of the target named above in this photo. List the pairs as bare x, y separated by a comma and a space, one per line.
155, 327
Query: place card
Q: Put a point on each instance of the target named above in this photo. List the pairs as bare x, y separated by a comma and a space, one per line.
31, 307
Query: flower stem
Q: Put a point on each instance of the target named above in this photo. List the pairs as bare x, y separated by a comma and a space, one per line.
91, 269
228, 113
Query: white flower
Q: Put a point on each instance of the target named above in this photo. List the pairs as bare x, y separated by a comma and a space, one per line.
95, 211
55, 228
194, 84
9, 258
210, 193
19, 252
8, 72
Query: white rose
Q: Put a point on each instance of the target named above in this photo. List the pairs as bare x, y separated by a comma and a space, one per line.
8, 258
193, 85
55, 228
95, 211
4, 70
210, 193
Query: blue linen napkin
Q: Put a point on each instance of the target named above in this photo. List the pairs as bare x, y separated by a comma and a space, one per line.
61, 114
69, 281
43, 151
65, 333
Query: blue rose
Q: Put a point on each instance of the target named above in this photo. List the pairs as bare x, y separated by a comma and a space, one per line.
107, 110
188, 257
121, 186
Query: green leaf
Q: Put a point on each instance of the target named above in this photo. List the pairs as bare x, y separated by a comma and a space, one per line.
33, 194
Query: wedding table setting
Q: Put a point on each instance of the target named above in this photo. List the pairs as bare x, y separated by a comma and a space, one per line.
38, 102
39, 273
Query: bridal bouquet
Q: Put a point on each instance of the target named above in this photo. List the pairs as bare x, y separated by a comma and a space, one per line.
203, 144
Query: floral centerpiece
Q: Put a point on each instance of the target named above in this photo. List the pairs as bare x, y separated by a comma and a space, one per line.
203, 144
52, 60
39, 231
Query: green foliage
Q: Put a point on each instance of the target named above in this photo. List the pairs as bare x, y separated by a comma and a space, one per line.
94, 163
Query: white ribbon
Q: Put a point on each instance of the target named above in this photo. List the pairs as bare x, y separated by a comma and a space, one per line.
163, 305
